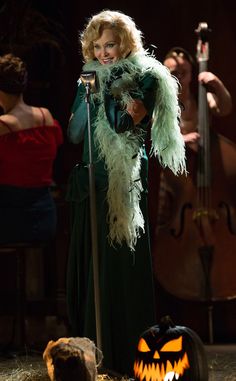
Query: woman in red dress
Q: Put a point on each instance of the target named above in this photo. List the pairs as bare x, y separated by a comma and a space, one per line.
29, 140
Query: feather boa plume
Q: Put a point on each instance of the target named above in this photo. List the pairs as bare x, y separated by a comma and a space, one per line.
121, 152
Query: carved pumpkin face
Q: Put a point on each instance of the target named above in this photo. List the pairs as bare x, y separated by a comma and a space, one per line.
169, 353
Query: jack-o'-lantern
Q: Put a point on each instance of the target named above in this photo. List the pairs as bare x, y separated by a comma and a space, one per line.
166, 352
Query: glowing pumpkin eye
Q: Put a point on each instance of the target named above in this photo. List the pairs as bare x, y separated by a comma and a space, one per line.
173, 345
142, 346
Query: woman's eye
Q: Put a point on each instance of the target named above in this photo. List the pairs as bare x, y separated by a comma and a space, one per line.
110, 45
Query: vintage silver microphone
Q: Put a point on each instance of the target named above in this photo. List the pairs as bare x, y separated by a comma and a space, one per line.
88, 78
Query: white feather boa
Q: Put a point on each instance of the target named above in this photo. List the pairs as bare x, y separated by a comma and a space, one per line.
121, 152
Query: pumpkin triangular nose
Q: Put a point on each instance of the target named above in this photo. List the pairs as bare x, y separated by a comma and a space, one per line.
156, 355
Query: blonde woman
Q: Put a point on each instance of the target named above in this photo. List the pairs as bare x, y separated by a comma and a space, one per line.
136, 94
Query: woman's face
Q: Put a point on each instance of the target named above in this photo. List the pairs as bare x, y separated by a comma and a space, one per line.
180, 68
107, 47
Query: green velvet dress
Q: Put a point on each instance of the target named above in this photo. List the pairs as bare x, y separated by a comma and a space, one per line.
126, 277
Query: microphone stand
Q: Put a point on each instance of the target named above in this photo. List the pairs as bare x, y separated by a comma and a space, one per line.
88, 79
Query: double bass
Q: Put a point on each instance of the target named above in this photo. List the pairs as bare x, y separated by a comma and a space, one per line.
194, 250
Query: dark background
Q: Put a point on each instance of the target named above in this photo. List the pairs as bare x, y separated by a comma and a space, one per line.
45, 35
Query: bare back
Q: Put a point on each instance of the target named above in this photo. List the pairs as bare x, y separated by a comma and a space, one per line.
23, 117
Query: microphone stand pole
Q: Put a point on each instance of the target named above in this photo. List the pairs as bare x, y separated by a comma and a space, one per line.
93, 218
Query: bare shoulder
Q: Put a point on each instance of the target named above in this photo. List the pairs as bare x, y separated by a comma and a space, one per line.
49, 120
43, 112
7, 124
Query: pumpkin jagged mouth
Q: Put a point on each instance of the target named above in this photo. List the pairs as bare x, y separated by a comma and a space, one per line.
158, 372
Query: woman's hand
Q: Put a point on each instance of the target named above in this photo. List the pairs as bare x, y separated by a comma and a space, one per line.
137, 110
219, 98
191, 140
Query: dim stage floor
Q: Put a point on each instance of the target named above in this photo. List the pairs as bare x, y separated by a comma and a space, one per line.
221, 360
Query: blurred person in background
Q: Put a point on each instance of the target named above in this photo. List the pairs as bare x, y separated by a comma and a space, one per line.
29, 141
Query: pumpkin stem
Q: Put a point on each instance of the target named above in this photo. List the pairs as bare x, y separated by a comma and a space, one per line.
165, 323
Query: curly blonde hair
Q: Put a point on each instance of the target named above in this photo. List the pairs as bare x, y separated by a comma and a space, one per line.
13, 74
130, 37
